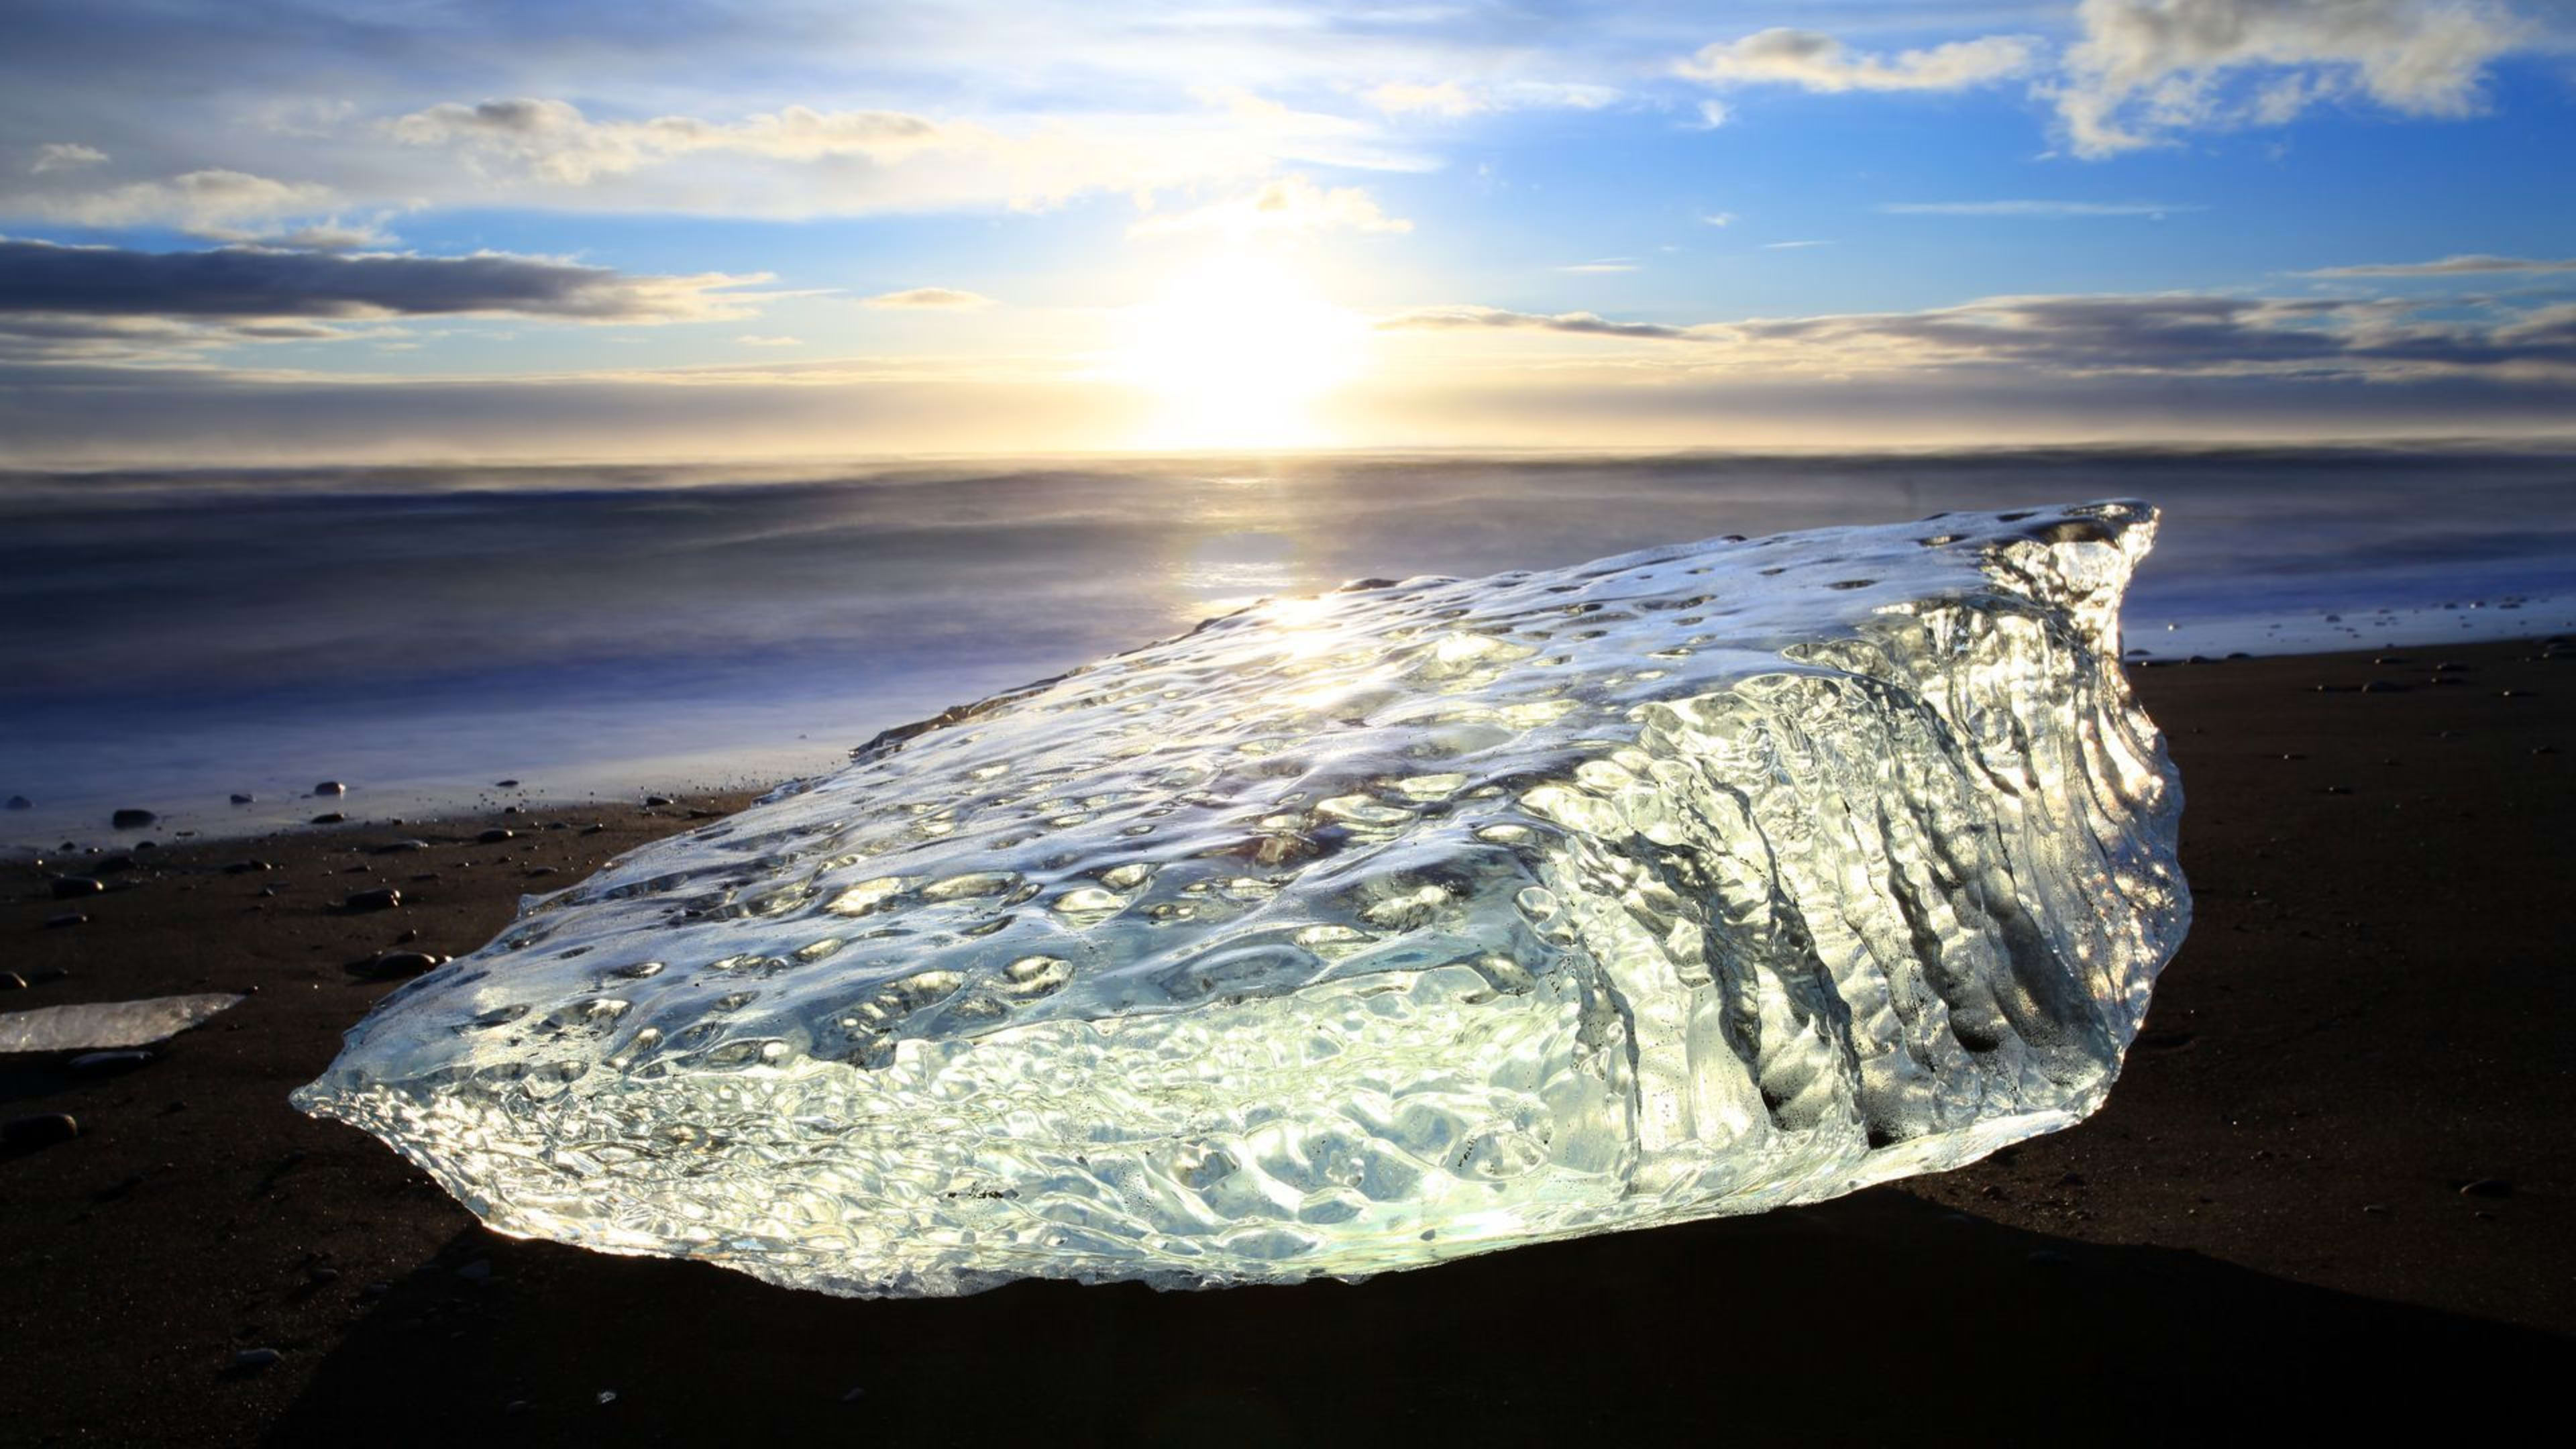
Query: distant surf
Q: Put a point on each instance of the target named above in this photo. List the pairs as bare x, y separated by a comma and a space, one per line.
177, 637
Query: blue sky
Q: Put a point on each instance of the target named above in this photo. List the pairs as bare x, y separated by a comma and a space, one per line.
261, 229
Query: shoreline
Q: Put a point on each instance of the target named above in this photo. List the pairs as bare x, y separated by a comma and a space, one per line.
2337, 1176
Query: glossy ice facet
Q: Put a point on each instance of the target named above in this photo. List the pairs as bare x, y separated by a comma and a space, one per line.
1355, 933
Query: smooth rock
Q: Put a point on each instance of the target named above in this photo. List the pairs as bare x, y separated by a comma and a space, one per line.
73, 887
132, 819
21, 802
330, 817
382, 899
330, 787
43, 1130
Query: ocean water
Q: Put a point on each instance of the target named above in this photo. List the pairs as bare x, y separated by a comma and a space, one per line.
174, 637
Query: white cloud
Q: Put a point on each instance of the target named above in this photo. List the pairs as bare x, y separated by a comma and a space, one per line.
553, 141
2472, 265
1468, 98
928, 297
1285, 204
1793, 246
1713, 114
215, 203
2046, 210
1719, 218
64, 156
1605, 264
754, 340
1819, 62
2147, 70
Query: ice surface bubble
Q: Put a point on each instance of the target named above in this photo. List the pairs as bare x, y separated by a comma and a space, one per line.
1355, 933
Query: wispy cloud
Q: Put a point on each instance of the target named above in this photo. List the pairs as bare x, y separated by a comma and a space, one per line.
2460, 266
1444, 319
2042, 210
65, 156
1605, 264
1286, 204
1815, 61
749, 339
920, 297
1793, 246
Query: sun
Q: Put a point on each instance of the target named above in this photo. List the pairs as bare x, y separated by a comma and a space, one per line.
1235, 353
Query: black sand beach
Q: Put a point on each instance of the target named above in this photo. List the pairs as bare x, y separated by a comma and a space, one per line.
2335, 1189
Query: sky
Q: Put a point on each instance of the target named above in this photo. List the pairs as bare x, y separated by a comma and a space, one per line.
249, 231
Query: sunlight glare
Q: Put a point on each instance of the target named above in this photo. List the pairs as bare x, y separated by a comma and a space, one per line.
1235, 354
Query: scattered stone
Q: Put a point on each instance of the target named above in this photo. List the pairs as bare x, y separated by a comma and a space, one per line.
253, 1360
496, 835
329, 817
2338, 789
2384, 686
405, 963
247, 867
132, 819
242, 799
321, 1276
382, 899
593, 829
12, 981
330, 787
505, 784
2375, 1209
514, 809
108, 1063
655, 802
607, 1397
539, 870
400, 847
43, 1130
21, 802
2487, 1187
73, 887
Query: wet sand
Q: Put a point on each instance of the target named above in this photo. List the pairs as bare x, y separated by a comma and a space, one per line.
2266, 1228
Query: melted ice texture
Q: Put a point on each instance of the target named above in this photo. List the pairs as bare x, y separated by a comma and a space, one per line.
1355, 933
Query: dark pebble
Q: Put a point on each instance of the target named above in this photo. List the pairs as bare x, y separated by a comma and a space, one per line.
252, 1360
400, 847
331, 817
247, 867
495, 836
2383, 686
2375, 1209
541, 870
132, 819
241, 799
2488, 1187
73, 887
405, 963
505, 784
330, 787
39, 1131
21, 802
653, 802
383, 899
12, 981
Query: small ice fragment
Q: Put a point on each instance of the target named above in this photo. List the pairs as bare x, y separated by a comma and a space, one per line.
102, 1025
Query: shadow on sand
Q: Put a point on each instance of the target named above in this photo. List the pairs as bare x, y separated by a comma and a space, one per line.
1872, 1319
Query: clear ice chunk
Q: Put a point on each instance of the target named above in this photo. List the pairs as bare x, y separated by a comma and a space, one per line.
99, 1025
1355, 933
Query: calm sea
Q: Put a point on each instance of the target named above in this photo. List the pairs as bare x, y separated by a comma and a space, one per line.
172, 638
